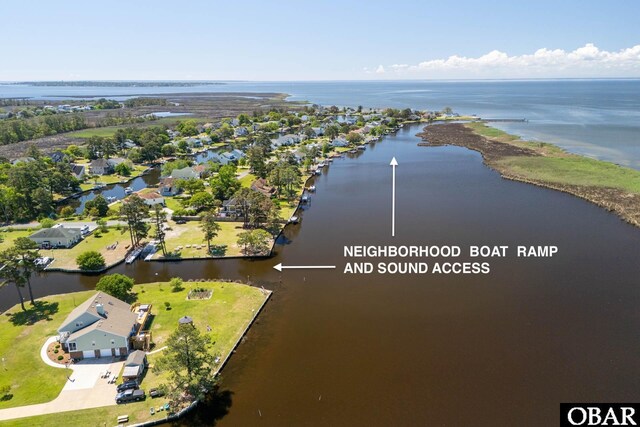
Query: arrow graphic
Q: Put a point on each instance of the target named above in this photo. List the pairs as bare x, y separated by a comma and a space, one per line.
393, 164
281, 267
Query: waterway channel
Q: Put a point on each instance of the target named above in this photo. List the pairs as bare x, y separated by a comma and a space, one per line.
503, 348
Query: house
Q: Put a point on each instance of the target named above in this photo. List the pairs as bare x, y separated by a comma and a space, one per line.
135, 365
339, 142
99, 327
238, 154
58, 156
240, 131
230, 208
22, 160
78, 171
101, 167
152, 198
56, 237
260, 185
285, 140
319, 131
168, 187
228, 157
185, 173
201, 169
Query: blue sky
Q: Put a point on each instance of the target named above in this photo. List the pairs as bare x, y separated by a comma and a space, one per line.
321, 40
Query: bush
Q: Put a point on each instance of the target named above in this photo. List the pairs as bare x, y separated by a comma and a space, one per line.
67, 212
56, 351
57, 346
47, 223
60, 357
167, 305
90, 261
117, 285
176, 284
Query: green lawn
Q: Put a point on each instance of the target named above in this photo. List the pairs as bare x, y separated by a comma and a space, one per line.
103, 131
191, 234
247, 180
174, 203
10, 235
66, 258
228, 313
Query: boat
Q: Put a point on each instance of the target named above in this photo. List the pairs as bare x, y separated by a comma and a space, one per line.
321, 165
305, 199
133, 255
128, 190
111, 199
312, 189
362, 147
318, 172
293, 220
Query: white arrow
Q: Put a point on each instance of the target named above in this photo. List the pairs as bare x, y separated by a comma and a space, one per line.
393, 164
280, 267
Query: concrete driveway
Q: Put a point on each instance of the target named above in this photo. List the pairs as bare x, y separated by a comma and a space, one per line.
84, 388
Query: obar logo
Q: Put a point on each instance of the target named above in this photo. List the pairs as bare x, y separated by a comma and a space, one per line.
599, 414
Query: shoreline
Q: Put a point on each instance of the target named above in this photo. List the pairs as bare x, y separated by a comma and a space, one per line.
545, 165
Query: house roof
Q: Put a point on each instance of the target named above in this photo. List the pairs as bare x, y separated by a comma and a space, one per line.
117, 320
149, 195
56, 233
77, 169
168, 181
136, 358
100, 163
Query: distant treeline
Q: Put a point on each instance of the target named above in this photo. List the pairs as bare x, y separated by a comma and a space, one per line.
145, 101
17, 130
11, 102
118, 84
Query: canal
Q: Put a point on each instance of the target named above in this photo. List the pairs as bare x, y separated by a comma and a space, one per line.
503, 348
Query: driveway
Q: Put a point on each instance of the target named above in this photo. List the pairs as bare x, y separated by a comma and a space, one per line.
84, 388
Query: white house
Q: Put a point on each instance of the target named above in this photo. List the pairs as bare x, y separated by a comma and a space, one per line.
185, 173
152, 198
56, 237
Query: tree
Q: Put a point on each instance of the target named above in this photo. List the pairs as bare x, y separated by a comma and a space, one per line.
123, 169
116, 285
201, 201
176, 284
11, 273
256, 158
189, 364
225, 183
254, 242
210, 228
331, 131
99, 204
90, 261
26, 251
187, 127
67, 212
134, 211
160, 217
354, 138
191, 185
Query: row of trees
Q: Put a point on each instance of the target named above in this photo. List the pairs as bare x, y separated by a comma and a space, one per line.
17, 130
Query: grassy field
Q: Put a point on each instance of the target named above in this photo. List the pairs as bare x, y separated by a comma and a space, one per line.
66, 258
88, 133
9, 236
191, 234
247, 180
228, 313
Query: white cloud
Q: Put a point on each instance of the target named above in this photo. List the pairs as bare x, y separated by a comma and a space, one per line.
586, 61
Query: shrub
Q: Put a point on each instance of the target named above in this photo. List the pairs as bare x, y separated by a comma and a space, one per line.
57, 346
60, 357
47, 223
67, 212
90, 261
56, 351
176, 284
167, 305
117, 285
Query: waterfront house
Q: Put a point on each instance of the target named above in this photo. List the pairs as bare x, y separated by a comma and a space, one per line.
238, 154
22, 160
78, 171
58, 156
185, 173
340, 142
260, 185
285, 141
135, 365
152, 198
318, 131
56, 237
100, 167
168, 187
99, 327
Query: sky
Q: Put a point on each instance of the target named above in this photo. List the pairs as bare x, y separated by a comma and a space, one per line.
320, 40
